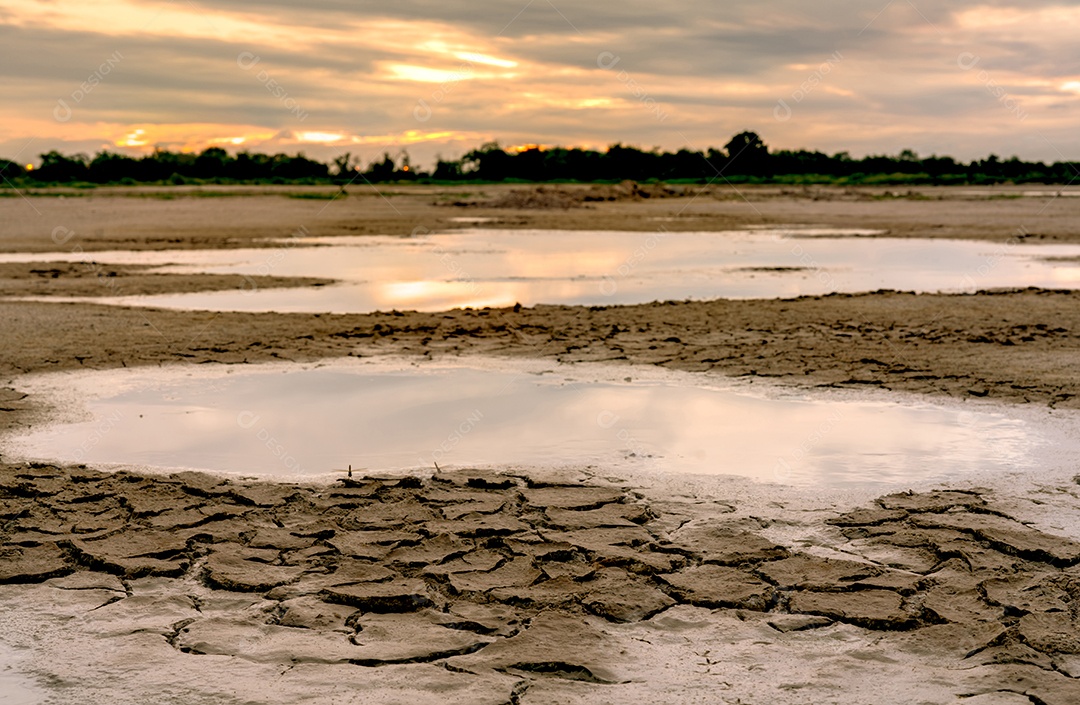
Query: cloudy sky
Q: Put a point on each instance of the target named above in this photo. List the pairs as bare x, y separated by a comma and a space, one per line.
435, 78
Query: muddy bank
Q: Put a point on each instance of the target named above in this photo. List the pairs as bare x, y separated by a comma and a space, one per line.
523, 590
1018, 346
96, 279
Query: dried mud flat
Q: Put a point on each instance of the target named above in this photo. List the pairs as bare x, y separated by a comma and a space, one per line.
481, 587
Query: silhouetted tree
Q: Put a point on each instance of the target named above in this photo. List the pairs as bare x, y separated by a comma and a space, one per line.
107, 167
447, 170
744, 156
297, 168
56, 167
747, 154
528, 165
11, 170
248, 167
343, 166
622, 162
213, 162
490, 162
381, 171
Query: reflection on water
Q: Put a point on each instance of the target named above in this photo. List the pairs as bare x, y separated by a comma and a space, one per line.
1017, 193
308, 421
477, 268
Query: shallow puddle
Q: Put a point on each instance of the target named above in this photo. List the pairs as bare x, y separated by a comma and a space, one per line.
305, 421
1014, 193
477, 268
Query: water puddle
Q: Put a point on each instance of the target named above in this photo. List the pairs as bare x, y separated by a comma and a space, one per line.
477, 268
290, 421
1014, 193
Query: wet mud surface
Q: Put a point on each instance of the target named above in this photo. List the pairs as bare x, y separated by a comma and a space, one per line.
1016, 346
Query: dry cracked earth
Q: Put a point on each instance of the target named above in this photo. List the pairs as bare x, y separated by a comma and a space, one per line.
504, 584
481, 588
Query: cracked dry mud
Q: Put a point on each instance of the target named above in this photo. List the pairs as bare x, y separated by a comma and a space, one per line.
486, 575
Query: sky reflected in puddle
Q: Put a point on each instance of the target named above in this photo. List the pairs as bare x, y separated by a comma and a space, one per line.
477, 268
290, 421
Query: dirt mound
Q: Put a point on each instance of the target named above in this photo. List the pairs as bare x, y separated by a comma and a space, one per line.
631, 191
539, 197
563, 198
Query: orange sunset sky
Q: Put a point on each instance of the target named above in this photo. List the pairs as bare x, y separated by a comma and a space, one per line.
330, 76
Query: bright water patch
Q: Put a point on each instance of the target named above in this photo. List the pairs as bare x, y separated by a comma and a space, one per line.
477, 268
1019, 193
289, 421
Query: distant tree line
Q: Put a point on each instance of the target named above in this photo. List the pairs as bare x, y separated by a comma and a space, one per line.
745, 158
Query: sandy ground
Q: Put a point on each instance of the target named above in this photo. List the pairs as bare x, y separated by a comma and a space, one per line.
148, 218
509, 589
